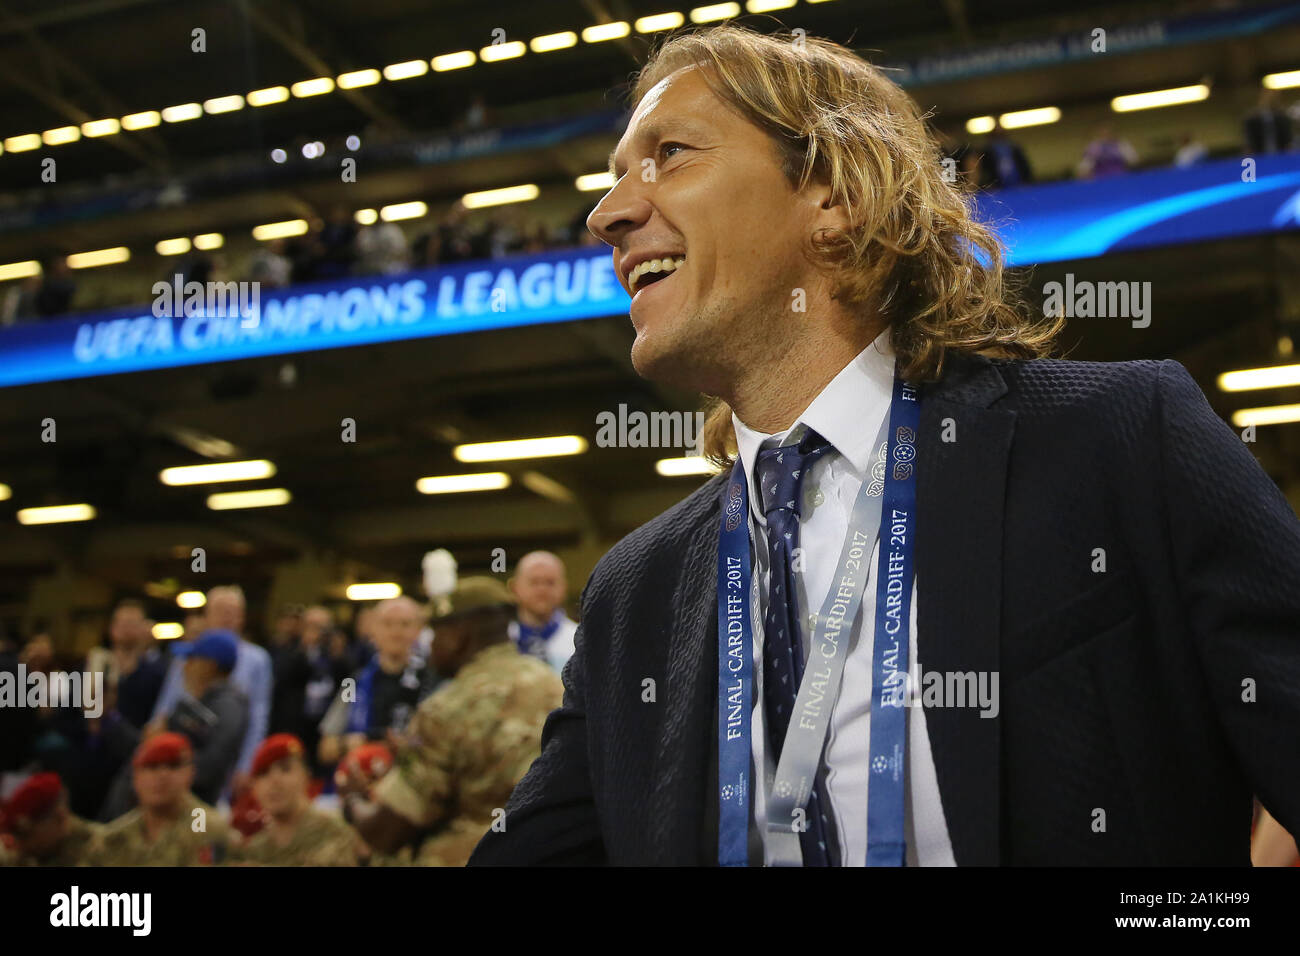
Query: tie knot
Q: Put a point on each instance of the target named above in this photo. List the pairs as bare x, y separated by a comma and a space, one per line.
779, 471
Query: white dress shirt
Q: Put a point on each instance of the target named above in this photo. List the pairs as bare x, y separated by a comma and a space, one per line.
848, 413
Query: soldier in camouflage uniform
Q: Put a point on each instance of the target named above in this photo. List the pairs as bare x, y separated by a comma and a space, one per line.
44, 831
296, 833
171, 826
470, 742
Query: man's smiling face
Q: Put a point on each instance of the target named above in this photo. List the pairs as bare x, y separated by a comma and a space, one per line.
715, 201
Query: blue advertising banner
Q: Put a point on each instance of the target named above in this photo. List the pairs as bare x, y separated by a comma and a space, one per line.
1040, 223
1054, 222
1056, 49
468, 297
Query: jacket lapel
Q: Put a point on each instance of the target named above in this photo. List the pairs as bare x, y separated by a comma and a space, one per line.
960, 493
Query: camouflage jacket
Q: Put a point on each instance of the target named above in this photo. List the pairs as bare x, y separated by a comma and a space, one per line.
467, 746
124, 842
319, 839
73, 850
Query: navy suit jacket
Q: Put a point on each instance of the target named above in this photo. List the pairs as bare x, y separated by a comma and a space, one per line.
1164, 691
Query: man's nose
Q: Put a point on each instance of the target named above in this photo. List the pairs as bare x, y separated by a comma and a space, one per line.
619, 211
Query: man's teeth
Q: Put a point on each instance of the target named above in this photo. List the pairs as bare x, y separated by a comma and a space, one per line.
652, 265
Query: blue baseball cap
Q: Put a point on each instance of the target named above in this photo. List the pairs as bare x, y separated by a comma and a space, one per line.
216, 645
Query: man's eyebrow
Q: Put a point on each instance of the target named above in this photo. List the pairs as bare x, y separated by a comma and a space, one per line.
656, 131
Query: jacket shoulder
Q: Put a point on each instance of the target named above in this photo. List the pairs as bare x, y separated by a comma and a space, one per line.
1060, 384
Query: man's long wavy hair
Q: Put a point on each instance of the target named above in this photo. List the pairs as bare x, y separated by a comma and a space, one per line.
915, 253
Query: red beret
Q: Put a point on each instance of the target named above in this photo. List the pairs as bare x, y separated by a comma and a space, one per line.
37, 795
163, 748
275, 747
369, 761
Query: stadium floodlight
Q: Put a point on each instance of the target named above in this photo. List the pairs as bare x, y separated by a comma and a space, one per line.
1282, 81
553, 41
209, 240
403, 210
172, 247
606, 31
1243, 380
280, 230
5, 492
350, 81
99, 257
453, 61
19, 270
1157, 98
260, 498
366, 217
499, 197
594, 181
267, 96
376, 591
767, 6
659, 21
217, 471
502, 51
313, 87
549, 447
61, 135
56, 514
20, 144
715, 11
453, 484
978, 125
145, 120
182, 113
191, 599
101, 127
224, 104
168, 630
406, 70
685, 465
1039, 116
1268, 415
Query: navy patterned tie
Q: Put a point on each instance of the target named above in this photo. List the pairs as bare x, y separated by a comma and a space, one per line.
780, 472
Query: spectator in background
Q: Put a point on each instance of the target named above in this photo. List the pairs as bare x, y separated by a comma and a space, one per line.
310, 677
133, 668
1003, 164
1190, 151
387, 690
295, 832
1106, 155
133, 672
225, 611
457, 766
54, 296
382, 249
45, 831
214, 713
541, 628
270, 265
161, 830
337, 245
1267, 126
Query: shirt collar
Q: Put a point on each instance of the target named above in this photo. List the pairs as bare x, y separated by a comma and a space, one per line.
858, 396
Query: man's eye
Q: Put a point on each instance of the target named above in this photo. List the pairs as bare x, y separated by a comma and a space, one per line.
663, 150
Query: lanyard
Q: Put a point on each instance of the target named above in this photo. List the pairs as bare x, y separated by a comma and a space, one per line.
886, 503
